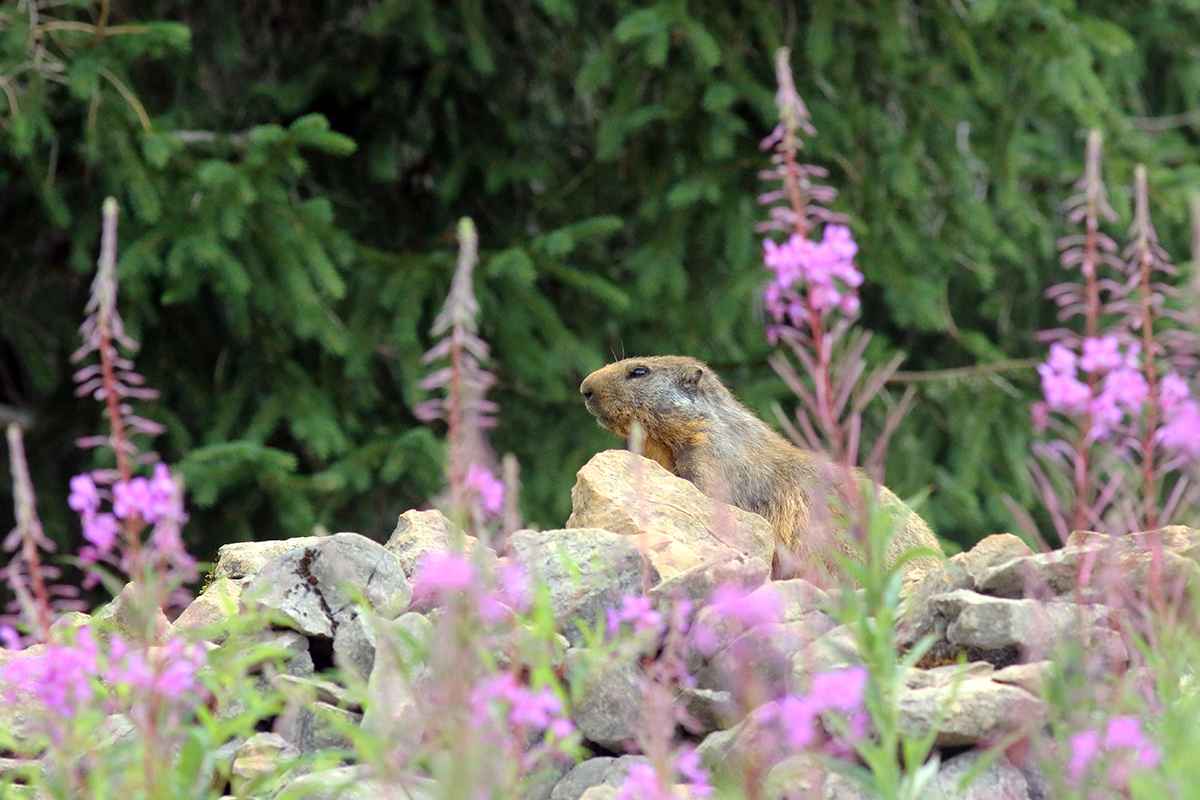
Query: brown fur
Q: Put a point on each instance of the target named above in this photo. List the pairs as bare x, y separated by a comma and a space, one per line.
697, 430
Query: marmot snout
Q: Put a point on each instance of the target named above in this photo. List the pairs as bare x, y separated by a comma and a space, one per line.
697, 429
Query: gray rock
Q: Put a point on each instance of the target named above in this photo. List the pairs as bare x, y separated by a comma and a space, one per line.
708, 710
764, 654
804, 776
261, 756
244, 560
354, 646
587, 570
726, 753
999, 780
355, 782
966, 713
836, 649
135, 616
1053, 573
698, 583
990, 623
392, 712
315, 726
611, 709
318, 587
584, 776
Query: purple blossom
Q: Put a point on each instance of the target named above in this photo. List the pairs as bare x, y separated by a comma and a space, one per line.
1122, 735
1084, 746
636, 608
1172, 390
1063, 391
85, 497
1100, 355
826, 268
163, 496
642, 784
131, 498
442, 572
1182, 431
839, 690
798, 715
59, 678
489, 487
101, 532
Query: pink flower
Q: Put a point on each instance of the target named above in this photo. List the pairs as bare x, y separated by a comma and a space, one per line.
84, 498
798, 715
1182, 431
1100, 355
101, 531
636, 609
642, 784
839, 690
1171, 392
131, 498
1084, 745
489, 487
161, 500
443, 572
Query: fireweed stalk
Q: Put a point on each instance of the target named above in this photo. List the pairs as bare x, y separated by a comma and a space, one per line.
812, 298
476, 494
79, 679
1133, 403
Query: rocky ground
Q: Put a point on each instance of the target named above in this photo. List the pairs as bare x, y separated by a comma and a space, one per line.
996, 615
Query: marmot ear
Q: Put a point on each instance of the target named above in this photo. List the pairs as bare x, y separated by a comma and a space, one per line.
692, 375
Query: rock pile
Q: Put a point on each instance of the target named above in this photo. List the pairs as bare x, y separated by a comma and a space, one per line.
986, 622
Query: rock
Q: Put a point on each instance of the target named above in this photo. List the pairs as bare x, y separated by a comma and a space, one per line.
540, 785
968, 712
709, 710
600, 793
215, 606
1031, 677
960, 571
244, 560
836, 649
668, 516
587, 570
726, 753
1053, 573
1173, 538
312, 725
991, 623
611, 709
392, 712
947, 675
584, 776
355, 782
999, 780
764, 654
260, 756
318, 587
135, 617
354, 646
698, 583
596, 776
803, 776
419, 533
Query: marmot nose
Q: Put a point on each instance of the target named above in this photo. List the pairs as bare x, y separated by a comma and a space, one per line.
586, 389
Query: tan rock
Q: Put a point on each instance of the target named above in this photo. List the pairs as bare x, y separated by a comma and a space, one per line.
669, 518
245, 559
969, 712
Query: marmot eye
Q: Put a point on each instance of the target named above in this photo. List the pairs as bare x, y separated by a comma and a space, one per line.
637, 372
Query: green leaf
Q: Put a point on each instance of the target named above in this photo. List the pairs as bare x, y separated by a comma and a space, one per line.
704, 45
642, 23
512, 263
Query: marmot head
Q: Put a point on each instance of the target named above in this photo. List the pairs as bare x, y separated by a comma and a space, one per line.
659, 392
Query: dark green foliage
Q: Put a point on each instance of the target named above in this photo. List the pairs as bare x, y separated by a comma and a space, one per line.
290, 176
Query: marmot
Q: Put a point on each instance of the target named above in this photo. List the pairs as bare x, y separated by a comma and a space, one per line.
696, 429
